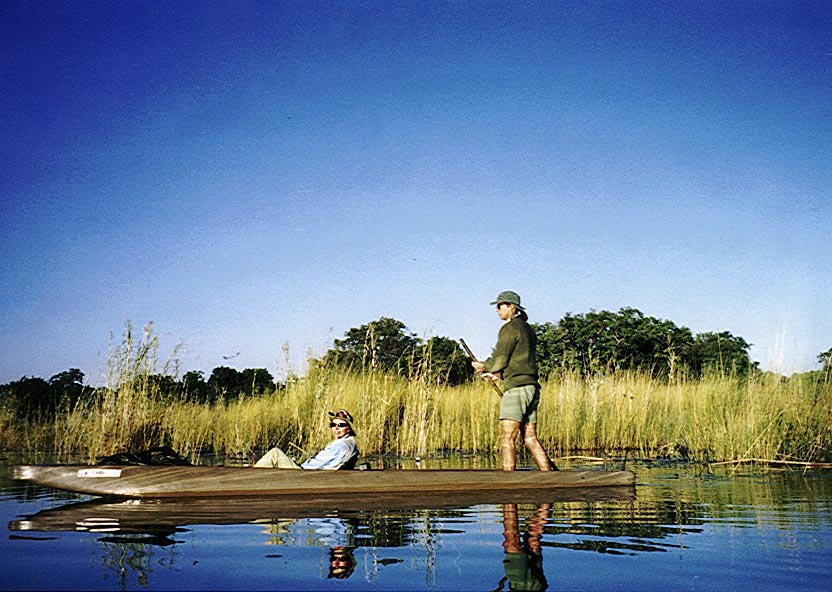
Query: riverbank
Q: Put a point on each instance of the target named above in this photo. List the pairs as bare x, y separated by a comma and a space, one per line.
716, 418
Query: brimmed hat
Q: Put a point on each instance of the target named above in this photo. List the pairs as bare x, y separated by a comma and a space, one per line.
345, 415
509, 297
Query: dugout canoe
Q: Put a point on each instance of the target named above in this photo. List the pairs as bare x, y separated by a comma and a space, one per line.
157, 482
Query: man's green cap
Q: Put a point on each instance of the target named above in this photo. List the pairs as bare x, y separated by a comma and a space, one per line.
509, 297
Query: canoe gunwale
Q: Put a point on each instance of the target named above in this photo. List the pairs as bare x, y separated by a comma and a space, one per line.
157, 482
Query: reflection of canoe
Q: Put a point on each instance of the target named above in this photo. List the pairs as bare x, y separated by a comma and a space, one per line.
142, 481
164, 516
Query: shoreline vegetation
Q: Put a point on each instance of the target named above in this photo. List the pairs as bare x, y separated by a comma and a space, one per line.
714, 418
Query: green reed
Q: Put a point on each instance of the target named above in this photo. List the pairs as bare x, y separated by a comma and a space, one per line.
714, 418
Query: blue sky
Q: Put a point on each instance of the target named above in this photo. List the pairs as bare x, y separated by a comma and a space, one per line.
250, 174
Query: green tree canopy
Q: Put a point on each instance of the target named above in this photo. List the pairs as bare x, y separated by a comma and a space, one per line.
227, 383
608, 341
444, 361
224, 383
29, 397
825, 358
67, 387
720, 352
384, 345
256, 381
629, 340
32, 397
388, 346
194, 386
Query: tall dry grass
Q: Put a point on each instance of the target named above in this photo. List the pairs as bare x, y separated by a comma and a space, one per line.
715, 418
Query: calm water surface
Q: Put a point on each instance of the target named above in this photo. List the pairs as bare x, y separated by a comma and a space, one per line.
688, 528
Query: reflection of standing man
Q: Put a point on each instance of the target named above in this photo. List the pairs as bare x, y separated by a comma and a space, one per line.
523, 561
514, 361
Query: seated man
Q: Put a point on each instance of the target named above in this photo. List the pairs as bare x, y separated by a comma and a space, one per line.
341, 453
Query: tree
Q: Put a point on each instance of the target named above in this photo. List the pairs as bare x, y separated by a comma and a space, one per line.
606, 341
67, 387
256, 381
825, 360
388, 346
224, 383
227, 383
162, 386
554, 351
720, 352
194, 387
35, 398
384, 345
444, 362
31, 398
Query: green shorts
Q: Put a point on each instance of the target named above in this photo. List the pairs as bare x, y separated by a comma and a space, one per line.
520, 403
525, 571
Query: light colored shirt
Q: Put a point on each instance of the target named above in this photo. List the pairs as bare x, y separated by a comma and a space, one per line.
337, 453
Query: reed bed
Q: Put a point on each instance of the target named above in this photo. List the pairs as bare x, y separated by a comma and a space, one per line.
712, 419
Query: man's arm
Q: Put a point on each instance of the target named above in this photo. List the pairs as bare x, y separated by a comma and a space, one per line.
506, 341
331, 457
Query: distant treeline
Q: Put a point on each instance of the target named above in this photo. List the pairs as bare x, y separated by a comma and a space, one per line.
37, 398
590, 344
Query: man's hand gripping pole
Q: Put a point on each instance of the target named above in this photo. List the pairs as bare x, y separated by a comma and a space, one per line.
486, 376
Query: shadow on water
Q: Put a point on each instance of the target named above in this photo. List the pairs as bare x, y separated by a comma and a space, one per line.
670, 507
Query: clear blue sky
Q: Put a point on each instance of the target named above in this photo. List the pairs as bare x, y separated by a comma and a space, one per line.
247, 174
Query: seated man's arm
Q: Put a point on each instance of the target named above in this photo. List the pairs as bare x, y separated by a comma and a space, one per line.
331, 457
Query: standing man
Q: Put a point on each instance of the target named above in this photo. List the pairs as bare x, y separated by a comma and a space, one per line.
513, 359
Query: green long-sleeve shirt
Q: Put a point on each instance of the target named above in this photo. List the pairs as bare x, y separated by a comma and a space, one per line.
514, 354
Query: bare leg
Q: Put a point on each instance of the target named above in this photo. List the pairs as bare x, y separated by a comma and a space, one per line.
511, 535
539, 455
535, 527
508, 434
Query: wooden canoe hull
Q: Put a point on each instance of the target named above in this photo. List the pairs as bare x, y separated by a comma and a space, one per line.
158, 482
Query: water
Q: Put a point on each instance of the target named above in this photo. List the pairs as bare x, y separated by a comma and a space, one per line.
688, 528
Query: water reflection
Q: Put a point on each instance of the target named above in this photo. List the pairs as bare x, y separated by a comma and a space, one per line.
339, 534
138, 536
523, 561
131, 559
341, 562
495, 542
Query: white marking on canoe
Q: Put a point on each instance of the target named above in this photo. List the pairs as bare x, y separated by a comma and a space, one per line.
94, 473
98, 525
